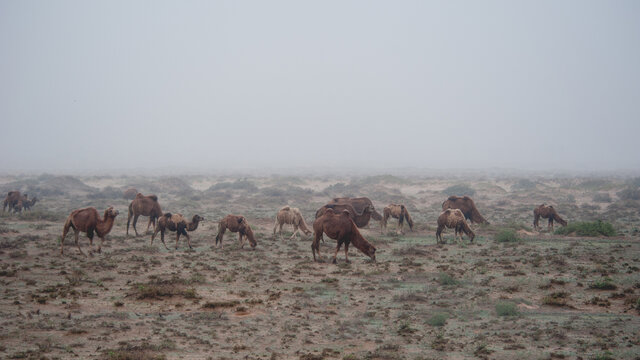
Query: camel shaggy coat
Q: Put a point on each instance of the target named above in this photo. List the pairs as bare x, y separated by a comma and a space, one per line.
340, 227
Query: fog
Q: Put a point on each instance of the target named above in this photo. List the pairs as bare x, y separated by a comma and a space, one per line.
202, 85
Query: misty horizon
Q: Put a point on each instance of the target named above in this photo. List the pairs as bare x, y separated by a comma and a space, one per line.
147, 87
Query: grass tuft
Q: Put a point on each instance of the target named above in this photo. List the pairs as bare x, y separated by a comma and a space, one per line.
590, 228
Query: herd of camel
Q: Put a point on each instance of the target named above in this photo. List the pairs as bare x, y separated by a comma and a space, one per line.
339, 219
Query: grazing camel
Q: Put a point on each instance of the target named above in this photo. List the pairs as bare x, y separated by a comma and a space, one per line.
547, 212
177, 223
399, 212
467, 206
340, 226
453, 219
11, 200
145, 206
87, 220
130, 193
291, 216
363, 206
236, 223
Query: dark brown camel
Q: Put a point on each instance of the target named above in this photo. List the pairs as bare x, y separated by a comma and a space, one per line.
467, 206
399, 212
145, 206
364, 209
239, 224
177, 223
11, 200
291, 216
87, 220
453, 219
547, 212
340, 226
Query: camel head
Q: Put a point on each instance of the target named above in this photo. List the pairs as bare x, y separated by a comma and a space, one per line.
110, 213
197, 218
249, 233
369, 250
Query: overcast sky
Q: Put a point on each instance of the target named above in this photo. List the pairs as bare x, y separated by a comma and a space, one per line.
88, 85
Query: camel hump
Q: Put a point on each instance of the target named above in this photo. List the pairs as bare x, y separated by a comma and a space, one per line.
402, 207
139, 196
345, 212
240, 219
153, 197
286, 208
466, 197
550, 206
167, 215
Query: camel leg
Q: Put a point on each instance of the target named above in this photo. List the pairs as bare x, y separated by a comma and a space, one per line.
275, 227
241, 240
551, 223
335, 256
188, 240
149, 224
280, 232
295, 231
153, 236
346, 252
77, 232
135, 221
177, 238
128, 221
162, 238
100, 246
315, 245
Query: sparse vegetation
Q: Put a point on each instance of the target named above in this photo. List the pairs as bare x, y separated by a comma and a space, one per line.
593, 228
507, 308
507, 236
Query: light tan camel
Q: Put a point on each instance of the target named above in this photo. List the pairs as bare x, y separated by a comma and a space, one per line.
453, 219
399, 212
291, 216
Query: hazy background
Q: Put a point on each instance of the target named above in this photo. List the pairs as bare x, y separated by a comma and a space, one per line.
88, 85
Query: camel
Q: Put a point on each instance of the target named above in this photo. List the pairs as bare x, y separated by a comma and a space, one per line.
364, 209
292, 216
11, 200
130, 193
239, 224
177, 223
453, 219
547, 212
87, 220
29, 203
24, 203
467, 206
145, 206
399, 212
340, 226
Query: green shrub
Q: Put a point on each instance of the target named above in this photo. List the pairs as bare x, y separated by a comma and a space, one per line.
603, 284
507, 235
607, 355
438, 319
589, 228
447, 280
507, 308
459, 190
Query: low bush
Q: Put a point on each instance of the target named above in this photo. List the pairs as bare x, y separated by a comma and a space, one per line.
507, 235
507, 308
588, 228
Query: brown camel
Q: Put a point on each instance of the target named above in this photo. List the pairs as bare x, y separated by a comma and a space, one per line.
291, 216
130, 193
547, 212
87, 220
24, 203
399, 212
177, 223
145, 206
453, 219
236, 223
364, 209
467, 206
28, 203
340, 226
11, 200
